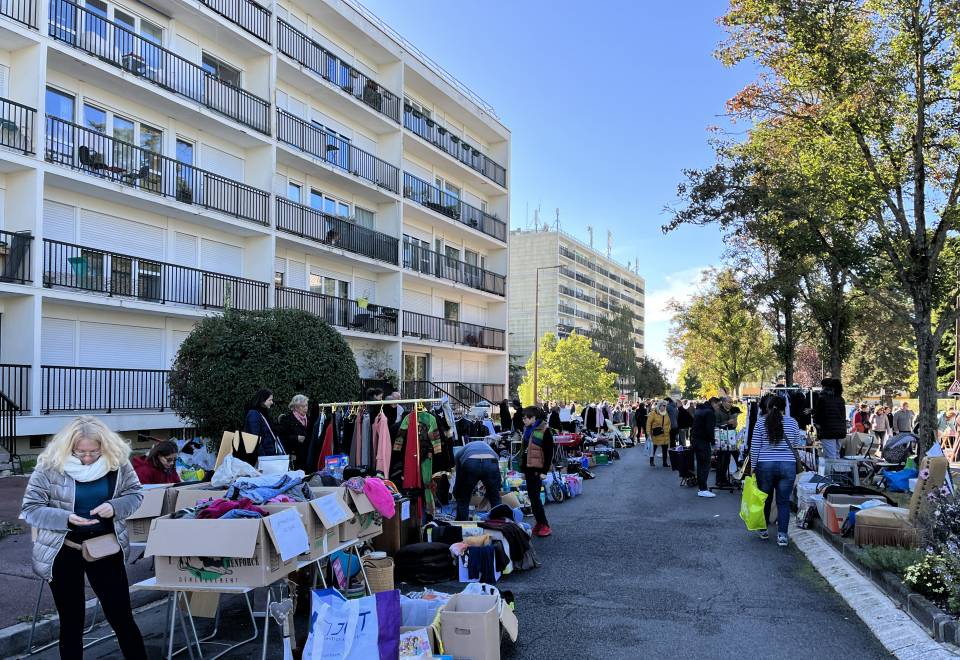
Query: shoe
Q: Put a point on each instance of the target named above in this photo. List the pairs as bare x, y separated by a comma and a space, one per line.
706, 493
764, 535
543, 531
536, 529
651, 461
782, 540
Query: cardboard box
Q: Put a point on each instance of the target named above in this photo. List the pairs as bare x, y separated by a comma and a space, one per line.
470, 627
836, 508
364, 524
188, 496
158, 500
241, 552
322, 522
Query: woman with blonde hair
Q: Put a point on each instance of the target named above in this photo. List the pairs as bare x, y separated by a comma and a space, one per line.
294, 429
78, 499
658, 430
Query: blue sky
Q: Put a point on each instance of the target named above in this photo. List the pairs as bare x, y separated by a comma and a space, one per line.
607, 103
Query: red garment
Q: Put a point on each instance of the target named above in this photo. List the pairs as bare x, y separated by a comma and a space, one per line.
218, 507
411, 454
151, 474
327, 448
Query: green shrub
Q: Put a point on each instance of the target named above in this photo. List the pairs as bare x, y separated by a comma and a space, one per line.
227, 358
894, 560
930, 577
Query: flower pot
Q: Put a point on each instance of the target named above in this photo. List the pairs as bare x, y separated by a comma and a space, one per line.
407, 107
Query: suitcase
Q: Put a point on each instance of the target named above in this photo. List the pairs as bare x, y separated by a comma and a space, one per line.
681, 460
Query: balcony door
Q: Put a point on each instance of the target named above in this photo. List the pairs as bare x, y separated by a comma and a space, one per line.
416, 367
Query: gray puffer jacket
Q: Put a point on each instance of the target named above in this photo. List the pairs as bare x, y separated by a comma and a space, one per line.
48, 503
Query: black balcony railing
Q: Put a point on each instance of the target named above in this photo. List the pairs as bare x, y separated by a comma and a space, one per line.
16, 124
429, 262
15, 261
115, 44
22, 11
440, 137
298, 46
341, 312
78, 267
455, 332
247, 15
15, 384
76, 389
121, 162
451, 206
336, 232
336, 151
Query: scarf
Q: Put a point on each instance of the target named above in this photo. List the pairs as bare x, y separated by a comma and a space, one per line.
300, 418
84, 473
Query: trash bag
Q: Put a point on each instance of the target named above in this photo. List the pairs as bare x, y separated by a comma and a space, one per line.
232, 469
751, 505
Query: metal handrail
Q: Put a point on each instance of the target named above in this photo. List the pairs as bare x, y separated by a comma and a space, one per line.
245, 14
430, 262
341, 312
16, 125
434, 328
453, 207
75, 389
307, 222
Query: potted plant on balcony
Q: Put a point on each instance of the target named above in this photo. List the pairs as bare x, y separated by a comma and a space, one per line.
430, 123
184, 191
417, 114
466, 147
476, 152
441, 130
455, 139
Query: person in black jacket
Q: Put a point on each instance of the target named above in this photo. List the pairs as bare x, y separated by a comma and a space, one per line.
517, 416
294, 430
506, 423
702, 434
830, 417
257, 422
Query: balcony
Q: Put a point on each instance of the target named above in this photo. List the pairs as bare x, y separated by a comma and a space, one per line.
451, 206
335, 232
336, 151
121, 162
88, 269
15, 262
440, 137
429, 262
114, 44
81, 389
298, 46
469, 394
16, 125
245, 14
15, 385
432, 328
22, 11
341, 312
564, 309
567, 291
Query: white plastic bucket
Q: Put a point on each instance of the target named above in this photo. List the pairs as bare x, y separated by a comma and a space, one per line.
273, 464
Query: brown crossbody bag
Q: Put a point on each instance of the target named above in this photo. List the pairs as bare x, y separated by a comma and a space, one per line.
96, 548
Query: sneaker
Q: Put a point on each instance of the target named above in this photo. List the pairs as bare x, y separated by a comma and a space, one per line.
782, 540
706, 493
544, 531
536, 529
764, 535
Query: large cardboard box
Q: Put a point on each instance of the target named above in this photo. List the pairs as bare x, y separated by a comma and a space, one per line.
322, 518
158, 500
836, 508
188, 496
365, 523
470, 627
241, 552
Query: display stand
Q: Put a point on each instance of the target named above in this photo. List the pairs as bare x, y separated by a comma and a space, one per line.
724, 482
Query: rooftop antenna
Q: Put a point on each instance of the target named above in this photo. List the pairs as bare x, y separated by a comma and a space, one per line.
536, 218
590, 231
609, 243
557, 223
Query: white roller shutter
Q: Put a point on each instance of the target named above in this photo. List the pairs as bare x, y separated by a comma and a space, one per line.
58, 342
59, 221
187, 49
185, 250
365, 143
119, 346
280, 264
176, 339
222, 163
297, 275
4, 77
471, 371
107, 232
221, 257
472, 314
415, 301
419, 171
366, 288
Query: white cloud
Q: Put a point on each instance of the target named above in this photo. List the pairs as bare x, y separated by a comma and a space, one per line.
679, 286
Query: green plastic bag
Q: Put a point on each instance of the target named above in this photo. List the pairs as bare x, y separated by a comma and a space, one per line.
751, 505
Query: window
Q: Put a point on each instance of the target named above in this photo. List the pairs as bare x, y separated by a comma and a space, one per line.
94, 118
448, 187
294, 191
184, 151
59, 104
451, 310
36, 442
220, 69
185, 176
364, 217
329, 286
278, 279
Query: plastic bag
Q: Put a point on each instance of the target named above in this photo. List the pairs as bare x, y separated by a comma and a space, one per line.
201, 457
232, 469
751, 505
363, 629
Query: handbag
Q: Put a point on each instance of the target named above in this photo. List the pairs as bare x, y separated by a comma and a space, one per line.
656, 430
796, 456
96, 548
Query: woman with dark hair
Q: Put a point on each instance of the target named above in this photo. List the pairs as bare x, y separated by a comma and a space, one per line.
554, 420
257, 422
159, 465
830, 417
773, 457
517, 416
506, 423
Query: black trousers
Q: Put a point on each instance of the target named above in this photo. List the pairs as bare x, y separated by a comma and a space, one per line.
108, 579
703, 452
533, 490
665, 449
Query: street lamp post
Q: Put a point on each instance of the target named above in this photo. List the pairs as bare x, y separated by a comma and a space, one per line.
536, 327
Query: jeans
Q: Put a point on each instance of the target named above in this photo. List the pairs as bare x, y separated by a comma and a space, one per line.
533, 489
831, 448
777, 476
469, 472
703, 452
108, 578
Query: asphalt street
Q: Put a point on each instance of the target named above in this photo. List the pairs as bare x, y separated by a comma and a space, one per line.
639, 567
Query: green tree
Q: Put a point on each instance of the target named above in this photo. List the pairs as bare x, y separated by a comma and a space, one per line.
570, 370
882, 356
721, 334
613, 339
876, 79
226, 359
689, 382
650, 380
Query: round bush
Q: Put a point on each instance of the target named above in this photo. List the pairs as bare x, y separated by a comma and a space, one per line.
227, 358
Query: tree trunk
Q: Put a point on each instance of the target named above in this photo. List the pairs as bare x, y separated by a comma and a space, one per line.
836, 365
927, 386
789, 350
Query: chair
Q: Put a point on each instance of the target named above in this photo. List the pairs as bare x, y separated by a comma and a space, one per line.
360, 321
90, 158
133, 177
890, 525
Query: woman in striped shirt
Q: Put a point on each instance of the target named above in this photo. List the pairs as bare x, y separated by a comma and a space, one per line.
774, 462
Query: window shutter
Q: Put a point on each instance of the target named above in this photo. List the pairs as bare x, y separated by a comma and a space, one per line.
221, 257
120, 346
297, 275
107, 232
185, 250
59, 222
58, 342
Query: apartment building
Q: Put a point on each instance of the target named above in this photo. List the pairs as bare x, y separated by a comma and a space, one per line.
577, 285
161, 161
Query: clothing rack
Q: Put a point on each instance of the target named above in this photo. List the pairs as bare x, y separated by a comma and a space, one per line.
375, 402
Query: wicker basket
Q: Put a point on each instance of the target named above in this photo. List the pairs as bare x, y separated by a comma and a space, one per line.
379, 574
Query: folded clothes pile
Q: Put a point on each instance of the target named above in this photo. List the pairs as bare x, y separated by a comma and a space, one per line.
261, 490
222, 509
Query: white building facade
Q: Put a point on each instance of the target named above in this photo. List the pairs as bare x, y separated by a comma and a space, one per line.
577, 285
160, 162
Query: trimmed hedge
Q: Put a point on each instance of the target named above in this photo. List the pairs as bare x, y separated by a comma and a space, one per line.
227, 358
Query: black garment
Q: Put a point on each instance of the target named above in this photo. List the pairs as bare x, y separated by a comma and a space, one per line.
390, 412
554, 421
704, 423
343, 440
481, 563
533, 490
590, 418
665, 449
640, 420
506, 424
702, 451
799, 402
517, 421
517, 538
108, 579
684, 418
290, 429
830, 416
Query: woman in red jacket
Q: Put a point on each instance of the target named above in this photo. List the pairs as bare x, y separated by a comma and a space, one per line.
159, 466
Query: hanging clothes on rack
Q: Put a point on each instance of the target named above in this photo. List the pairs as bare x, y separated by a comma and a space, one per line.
383, 446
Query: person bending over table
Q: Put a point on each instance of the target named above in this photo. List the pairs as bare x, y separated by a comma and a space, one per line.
476, 462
